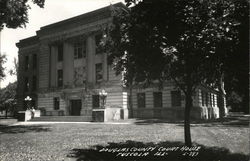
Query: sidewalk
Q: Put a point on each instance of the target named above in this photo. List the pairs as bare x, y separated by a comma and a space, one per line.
242, 120
53, 122
8, 121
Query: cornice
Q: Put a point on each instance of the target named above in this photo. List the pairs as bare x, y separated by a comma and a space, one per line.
27, 42
80, 20
29, 48
83, 24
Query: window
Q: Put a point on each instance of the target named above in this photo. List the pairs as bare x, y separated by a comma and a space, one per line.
34, 83
97, 42
80, 50
176, 98
26, 84
26, 63
60, 53
141, 100
34, 61
157, 99
98, 72
210, 99
213, 100
60, 78
56, 103
206, 99
218, 100
129, 101
203, 98
95, 101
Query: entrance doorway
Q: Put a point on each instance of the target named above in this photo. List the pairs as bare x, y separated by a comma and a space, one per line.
75, 107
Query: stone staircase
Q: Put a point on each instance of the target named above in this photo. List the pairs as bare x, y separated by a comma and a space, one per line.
63, 118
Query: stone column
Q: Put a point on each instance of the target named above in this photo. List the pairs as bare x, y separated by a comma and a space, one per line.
44, 65
68, 64
53, 69
90, 59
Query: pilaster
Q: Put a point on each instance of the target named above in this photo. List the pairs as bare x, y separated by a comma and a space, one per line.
90, 59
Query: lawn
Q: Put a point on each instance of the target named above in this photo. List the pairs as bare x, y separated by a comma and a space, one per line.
71, 141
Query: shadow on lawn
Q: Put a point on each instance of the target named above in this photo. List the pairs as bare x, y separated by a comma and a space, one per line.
228, 121
156, 121
153, 152
22, 129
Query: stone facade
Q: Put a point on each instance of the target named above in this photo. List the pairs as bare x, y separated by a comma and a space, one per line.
63, 72
172, 104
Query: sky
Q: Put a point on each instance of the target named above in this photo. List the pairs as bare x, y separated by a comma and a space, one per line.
53, 11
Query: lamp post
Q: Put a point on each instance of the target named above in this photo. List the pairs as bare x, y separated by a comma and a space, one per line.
28, 100
103, 95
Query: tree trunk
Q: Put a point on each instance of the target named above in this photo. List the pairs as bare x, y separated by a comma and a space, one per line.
221, 97
6, 111
130, 101
188, 106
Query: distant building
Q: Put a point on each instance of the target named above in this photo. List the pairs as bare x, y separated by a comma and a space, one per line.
64, 73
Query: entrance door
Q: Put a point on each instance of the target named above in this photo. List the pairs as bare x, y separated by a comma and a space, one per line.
75, 107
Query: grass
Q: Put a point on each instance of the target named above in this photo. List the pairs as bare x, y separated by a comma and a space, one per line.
57, 142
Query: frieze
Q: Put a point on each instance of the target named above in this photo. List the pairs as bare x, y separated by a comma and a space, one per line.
29, 49
80, 30
87, 89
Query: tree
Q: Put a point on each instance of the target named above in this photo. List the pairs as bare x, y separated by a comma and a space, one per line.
8, 98
14, 70
185, 41
14, 13
237, 73
2, 61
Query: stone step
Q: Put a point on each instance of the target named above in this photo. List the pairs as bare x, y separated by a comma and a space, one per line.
63, 118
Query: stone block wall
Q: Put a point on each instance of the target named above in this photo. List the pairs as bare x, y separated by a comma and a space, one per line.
167, 111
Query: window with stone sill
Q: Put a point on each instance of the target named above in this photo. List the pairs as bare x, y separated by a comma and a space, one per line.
213, 96
210, 99
34, 83
98, 72
26, 84
206, 99
218, 99
26, 63
56, 103
141, 100
60, 78
80, 50
60, 53
203, 98
176, 98
96, 101
157, 99
97, 43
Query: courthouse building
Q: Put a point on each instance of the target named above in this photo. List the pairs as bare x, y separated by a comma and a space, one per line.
65, 74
